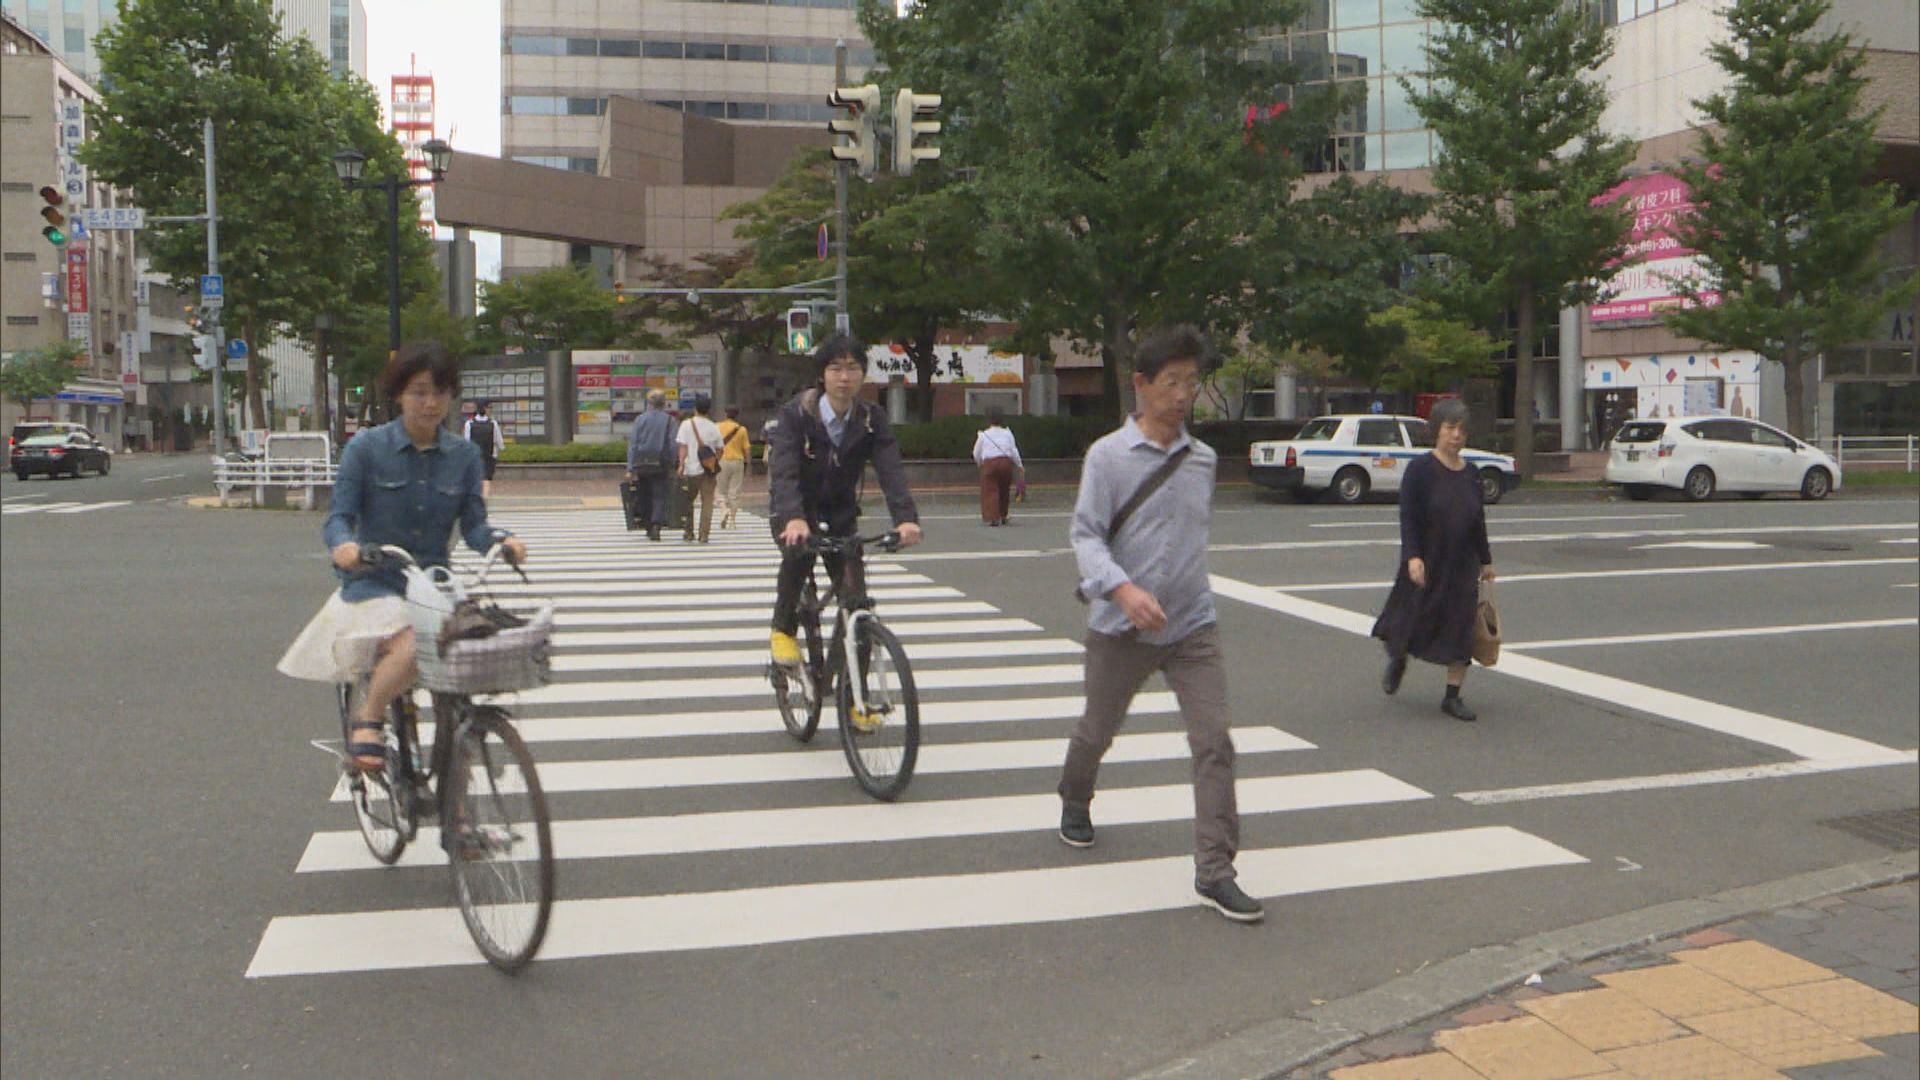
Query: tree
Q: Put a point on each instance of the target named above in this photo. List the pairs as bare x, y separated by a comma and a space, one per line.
1786, 220
1114, 182
560, 308
1522, 159
39, 373
1435, 352
293, 241
1228, 386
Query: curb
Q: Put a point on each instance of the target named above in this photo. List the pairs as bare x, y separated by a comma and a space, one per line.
1271, 1050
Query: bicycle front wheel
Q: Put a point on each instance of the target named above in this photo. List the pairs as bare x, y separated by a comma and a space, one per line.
883, 744
499, 840
386, 823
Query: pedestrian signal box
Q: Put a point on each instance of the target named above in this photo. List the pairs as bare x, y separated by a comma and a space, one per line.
799, 330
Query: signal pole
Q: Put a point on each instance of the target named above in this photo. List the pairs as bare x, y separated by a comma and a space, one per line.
213, 345
842, 322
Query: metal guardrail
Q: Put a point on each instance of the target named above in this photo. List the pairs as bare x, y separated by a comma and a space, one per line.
261, 475
1883, 450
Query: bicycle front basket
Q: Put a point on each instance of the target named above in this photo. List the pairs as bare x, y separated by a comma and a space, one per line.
511, 658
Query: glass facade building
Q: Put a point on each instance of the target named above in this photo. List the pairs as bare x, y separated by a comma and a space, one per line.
1372, 45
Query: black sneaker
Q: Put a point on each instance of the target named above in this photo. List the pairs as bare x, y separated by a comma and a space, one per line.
1226, 897
1457, 709
1396, 669
1076, 828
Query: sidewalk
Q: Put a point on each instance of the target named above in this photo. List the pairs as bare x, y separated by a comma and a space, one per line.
1816, 976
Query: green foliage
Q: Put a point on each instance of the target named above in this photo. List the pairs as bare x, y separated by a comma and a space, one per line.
1115, 190
570, 453
1786, 219
1434, 352
1517, 115
1037, 436
561, 308
38, 373
293, 241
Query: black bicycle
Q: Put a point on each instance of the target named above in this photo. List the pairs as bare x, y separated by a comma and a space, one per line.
878, 712
478, 779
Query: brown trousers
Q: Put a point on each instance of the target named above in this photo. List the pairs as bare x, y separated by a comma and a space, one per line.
1196, 671
699, 494
996, 481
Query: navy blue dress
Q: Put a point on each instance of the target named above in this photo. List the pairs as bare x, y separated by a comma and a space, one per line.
1444, 521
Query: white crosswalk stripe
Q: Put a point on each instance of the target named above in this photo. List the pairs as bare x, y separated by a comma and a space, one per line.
658, 738
62, 507
37, 508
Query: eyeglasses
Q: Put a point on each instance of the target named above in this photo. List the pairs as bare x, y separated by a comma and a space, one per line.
1191, 386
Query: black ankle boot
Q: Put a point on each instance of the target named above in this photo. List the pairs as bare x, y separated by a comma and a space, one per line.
1390, 680
1456, 708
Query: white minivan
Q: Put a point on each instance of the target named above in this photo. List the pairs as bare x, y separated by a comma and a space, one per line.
1699, 455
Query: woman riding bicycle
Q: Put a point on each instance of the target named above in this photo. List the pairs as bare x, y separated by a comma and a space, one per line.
407, 483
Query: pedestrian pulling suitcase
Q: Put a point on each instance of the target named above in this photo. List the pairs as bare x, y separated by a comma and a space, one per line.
630, 505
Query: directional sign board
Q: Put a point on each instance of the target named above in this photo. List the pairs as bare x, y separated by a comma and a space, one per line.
213, 290
118, 217
236, 349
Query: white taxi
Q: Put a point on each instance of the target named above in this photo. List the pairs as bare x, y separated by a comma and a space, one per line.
1700, 455
1354, 454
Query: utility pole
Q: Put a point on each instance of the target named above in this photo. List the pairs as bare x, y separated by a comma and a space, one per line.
842, 323
213, 345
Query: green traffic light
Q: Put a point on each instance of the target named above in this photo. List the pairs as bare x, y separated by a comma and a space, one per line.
54, 236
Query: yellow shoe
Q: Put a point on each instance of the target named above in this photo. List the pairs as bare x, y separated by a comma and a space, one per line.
866, 722
786, 651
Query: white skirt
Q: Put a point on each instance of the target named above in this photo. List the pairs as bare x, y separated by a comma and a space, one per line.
341, 641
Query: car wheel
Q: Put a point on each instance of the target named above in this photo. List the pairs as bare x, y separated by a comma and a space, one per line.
1817, 484
1307, 494
1492, 486
106, 465
21, 475
1700, 484
1350, 484
1637, 492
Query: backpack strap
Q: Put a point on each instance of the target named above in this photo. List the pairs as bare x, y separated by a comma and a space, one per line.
1146, 489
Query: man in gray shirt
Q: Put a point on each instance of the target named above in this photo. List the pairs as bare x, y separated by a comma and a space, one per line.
650, 462
1152, 608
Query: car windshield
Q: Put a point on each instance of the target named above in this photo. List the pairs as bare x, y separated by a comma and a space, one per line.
1318, 430
1640, 432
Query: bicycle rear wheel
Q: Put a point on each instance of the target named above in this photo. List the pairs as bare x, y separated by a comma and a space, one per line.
798, 693
882, 749
499, 840
384, 820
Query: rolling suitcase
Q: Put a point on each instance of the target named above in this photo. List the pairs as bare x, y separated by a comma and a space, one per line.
630, 505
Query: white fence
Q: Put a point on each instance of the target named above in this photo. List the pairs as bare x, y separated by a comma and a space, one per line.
302, 462
1881, 450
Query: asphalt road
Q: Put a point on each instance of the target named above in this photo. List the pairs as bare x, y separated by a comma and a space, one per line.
1690, 693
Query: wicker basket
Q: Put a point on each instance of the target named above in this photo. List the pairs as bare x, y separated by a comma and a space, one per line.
514, 658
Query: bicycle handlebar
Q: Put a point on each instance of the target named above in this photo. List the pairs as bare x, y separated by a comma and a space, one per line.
887, 541
376, 556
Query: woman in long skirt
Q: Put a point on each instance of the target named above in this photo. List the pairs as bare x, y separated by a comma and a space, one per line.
1443, 559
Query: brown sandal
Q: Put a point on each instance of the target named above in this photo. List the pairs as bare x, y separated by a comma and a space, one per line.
363, 755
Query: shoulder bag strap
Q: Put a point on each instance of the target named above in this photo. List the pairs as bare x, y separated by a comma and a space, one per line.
1146, 489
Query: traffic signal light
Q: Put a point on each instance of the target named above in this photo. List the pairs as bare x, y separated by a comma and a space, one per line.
618, 296
907, 107
56, 218
799, 330
861, 102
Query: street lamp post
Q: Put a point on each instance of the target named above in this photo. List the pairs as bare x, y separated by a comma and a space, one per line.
351, 165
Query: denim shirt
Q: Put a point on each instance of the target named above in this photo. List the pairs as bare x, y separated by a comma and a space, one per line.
389, 491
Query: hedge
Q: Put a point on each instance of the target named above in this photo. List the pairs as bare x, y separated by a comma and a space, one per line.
572, 453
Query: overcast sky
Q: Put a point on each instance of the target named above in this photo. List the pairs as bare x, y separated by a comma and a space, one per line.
458, 43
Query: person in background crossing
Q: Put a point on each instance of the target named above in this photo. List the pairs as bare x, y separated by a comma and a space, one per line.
998, 456
485, 434
650, 461
733, 465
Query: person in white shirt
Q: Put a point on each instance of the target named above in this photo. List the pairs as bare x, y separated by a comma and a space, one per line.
485, 434
699, 471
998, 457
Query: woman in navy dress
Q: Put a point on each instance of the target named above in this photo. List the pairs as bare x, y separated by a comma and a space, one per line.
1443, 559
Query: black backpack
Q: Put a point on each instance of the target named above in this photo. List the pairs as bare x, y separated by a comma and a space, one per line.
481, 432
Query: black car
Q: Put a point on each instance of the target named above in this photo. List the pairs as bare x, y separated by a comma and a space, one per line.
72, 453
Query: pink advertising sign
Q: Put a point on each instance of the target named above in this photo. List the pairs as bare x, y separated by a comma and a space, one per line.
1642, 285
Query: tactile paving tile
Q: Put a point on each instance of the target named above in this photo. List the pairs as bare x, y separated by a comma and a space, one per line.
1753, 965
1603, 1019
1849, 1007
1695, 1057
1524, 1049
1418, 1067
1681, 990
1779, 1037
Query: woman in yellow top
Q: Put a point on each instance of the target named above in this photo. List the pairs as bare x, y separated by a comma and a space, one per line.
733, 464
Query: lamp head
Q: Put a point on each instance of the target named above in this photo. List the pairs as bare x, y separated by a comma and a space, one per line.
439, 156
350, 165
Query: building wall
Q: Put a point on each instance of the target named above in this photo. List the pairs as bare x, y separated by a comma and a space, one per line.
750, 63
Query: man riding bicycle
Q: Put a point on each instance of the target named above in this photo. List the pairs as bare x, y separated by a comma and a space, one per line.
820, 447
407, 483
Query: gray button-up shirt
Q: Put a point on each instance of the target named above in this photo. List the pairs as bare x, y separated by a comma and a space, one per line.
1162, 548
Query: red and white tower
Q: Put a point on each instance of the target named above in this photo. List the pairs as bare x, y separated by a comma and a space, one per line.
411, 111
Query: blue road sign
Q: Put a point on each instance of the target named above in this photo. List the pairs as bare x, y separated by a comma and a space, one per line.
237, 349
213, 286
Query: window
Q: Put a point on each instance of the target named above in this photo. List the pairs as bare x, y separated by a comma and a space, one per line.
1418, 433
1766, 436
750, 53
616, 47
1403, 48
1380, 433
23, 320
662, 50
586, 106
790, 54
1322, 430
1356, 12
1399, 10
714, 109
1640, 431
746, 110
1357, 52
76, 39
582, 46
1407, 150
706, 50
534, 105
535, 45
